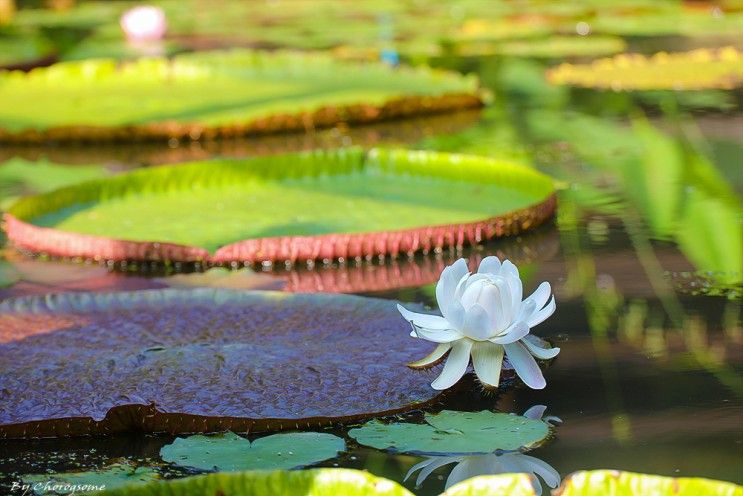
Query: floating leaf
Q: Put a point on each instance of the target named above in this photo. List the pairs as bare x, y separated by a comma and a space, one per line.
110, 477
598, 482
230, 453
694, 70
334, 204
450, 432
494, 485
202, 360
316, 482
227, 93
548, 47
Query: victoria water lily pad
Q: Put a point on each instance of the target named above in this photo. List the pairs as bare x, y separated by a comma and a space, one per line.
316, 482
321, 205
599, 482
695, 70
451, 432
216, 94
494, 485
231, 453
202, 360
94, 481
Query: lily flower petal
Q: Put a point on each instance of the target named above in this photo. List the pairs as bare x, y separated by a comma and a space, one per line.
477, 323
424, 319
517, 331
540, 295
455, 366
543, 314
487, 359
535, 348
511, 273
447, 284
536, 412
432, 358
525, 365
490, 265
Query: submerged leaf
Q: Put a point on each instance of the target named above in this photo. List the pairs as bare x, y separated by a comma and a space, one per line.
450, 432
201, 360
230, 453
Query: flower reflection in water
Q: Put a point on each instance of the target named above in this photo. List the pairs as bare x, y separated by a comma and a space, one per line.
498, 462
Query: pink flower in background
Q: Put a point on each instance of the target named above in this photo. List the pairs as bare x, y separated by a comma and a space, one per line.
144, 23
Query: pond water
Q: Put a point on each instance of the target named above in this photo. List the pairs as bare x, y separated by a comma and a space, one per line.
649, 309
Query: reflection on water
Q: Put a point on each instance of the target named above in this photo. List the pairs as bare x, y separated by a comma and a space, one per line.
645, 258
490, 464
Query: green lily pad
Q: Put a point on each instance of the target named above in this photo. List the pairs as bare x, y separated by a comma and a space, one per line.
549, 47
219, 93
231, 453
598, 482
450, 432
694, 70
110, 477
494, 485
316, 482
321, 205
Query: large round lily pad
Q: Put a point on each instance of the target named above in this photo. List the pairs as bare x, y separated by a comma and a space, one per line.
201, 360
450, 432
322, 205
695, 70
229, 452
213, 94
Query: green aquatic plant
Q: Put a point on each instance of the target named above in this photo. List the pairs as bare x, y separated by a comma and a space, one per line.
231, 453
340, 203
455, 433
219, 93
335, 481
694, 70
483, 316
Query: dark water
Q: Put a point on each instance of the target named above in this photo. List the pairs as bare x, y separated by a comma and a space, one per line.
649, 308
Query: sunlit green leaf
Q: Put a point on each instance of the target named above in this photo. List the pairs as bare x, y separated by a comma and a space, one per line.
230, 453
454, 432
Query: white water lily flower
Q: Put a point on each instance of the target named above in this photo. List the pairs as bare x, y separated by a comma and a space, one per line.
488, 464
144, 23
484, 317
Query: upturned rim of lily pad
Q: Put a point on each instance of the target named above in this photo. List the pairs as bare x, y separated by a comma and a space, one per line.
30, 238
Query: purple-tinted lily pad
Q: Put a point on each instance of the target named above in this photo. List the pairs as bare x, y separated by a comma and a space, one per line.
201, 360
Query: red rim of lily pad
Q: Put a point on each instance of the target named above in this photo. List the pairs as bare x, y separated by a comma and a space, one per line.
203, 360
20, 230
